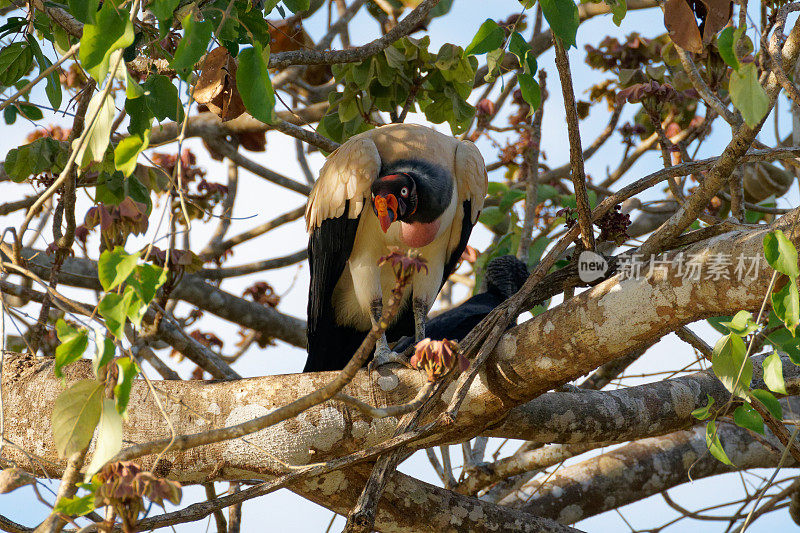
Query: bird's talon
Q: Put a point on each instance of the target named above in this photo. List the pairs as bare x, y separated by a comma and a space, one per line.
387, 357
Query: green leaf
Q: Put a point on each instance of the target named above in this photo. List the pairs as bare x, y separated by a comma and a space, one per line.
509, 198
786, 304
362, 74
29, 111
256, 26
741, 324
781, 339
61, 39
35, 158
619, 8
10, 114
77, 506
114, 309
748, 95
163, 9
496, 187
781, 253
395, 58
53, 87
769, 401
192, 46
489, 37
84, 10
114, 267
132, 88
15, 61
162, 99
492, 216
111, 31
531, 91
729, 363
535, 252
252, 80
74, 342
75, 415
127, 152
520, 48
562, 16
493, 61
146, 281
701, 413
99, 134
773, 373
348, 109
128, 370
104, 352
714, 445
748, 418
136, 309
296, 6
109, 438
717, 321
440, 9
726, 43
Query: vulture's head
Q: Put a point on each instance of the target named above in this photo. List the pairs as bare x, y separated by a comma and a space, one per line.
410, 191
394, 197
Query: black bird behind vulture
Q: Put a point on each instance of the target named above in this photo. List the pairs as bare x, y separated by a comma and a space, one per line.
504, 277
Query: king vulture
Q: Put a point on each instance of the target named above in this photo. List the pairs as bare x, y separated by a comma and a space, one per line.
400, 185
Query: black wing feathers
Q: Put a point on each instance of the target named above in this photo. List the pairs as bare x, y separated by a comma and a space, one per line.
466, 229
329, 249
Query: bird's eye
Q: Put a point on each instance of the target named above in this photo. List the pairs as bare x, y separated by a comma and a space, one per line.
404, 191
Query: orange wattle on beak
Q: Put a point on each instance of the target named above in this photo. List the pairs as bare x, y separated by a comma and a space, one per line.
386, 208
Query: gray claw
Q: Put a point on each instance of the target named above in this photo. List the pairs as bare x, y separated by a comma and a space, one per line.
385, 357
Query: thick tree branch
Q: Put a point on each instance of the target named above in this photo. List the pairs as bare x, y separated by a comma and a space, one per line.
193, 290
594, 327
209, 125
623, 414
640, 469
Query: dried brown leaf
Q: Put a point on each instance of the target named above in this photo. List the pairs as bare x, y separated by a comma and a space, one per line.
716, 17
682, 25
216, 87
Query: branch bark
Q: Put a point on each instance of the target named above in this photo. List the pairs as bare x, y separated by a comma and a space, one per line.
594, 327
641, 469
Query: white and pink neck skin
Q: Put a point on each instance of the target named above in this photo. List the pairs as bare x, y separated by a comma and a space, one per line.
418, 234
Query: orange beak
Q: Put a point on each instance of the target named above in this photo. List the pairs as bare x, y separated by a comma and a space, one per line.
386, 208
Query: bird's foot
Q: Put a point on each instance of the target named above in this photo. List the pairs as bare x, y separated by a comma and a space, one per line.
385, 357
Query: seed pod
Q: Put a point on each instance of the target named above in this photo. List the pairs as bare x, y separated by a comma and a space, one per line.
762, 180
794, 507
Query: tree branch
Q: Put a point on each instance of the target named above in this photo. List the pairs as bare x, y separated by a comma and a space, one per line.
193, 290
318, 57
640, 469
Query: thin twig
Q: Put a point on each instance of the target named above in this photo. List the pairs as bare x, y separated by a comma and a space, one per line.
575, 150
530, 168
391, 410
